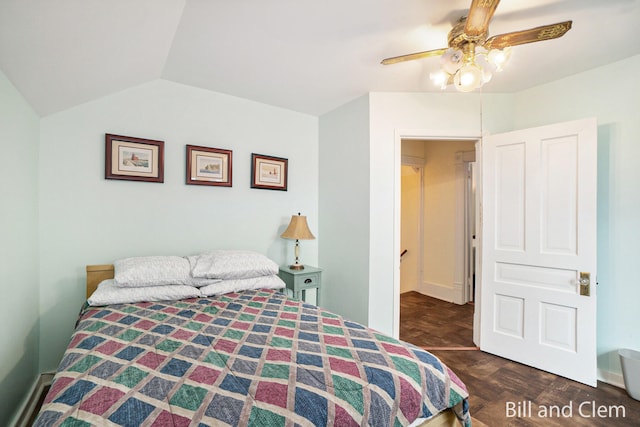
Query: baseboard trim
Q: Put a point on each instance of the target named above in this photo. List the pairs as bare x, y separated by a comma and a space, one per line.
442, 292
611, 378
45, 379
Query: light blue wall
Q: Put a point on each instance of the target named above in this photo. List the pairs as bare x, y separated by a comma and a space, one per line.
85, 219
18, 249
344, 209
612, 95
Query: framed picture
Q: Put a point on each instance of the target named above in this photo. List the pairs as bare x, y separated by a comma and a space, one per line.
208, 166
268, 172
134, 159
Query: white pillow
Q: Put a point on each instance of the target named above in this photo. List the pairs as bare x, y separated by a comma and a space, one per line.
231, 264
108, 293
198, 283
152, 271
236, 285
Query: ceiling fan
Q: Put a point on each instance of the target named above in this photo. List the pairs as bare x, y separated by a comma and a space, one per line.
469, 46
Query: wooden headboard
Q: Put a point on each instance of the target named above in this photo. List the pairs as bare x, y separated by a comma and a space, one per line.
96, 274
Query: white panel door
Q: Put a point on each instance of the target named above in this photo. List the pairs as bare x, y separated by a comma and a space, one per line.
538, 236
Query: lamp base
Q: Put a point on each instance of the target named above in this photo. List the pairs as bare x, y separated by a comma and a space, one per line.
296, 267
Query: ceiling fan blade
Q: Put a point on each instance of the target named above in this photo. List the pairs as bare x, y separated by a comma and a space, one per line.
538, 34
480, 13
412, 56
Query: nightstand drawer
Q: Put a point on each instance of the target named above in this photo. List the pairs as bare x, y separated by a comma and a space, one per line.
308, 281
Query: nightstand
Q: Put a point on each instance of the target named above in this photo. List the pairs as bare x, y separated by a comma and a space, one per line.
301, 280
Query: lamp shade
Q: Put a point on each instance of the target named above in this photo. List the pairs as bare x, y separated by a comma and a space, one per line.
298, 229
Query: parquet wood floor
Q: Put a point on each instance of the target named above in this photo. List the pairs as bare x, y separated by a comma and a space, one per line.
501, 391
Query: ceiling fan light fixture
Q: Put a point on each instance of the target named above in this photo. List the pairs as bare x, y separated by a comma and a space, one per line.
486, 76
472, 56
499, 58
469, 77
451, 60
440, 78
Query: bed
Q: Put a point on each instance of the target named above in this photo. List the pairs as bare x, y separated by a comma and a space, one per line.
245, 357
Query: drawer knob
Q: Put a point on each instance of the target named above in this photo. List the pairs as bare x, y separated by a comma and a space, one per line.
308, 281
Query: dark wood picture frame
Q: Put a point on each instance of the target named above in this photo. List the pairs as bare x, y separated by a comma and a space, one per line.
133, 159
209, 166
269, 172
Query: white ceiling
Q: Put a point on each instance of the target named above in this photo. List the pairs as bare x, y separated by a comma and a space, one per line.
303, 55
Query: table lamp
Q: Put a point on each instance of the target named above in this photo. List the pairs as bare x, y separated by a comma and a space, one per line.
298, 230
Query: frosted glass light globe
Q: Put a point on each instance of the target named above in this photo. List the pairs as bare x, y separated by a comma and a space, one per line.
499, 58
469, 77
440, 78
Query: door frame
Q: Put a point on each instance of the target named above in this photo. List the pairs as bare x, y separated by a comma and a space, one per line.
465, 245
417, 163
426, 134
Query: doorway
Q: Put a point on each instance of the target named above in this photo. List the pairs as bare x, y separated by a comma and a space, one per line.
438, 218
437, 230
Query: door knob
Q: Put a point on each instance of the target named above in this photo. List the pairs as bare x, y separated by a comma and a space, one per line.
585, 283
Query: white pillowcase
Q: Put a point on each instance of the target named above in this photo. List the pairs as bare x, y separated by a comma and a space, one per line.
198, 283
236, 285
152, 271
108, 293
231, 265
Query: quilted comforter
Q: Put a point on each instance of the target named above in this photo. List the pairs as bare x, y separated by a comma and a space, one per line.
252, 358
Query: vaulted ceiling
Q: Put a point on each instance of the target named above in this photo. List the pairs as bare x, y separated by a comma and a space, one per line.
303, 55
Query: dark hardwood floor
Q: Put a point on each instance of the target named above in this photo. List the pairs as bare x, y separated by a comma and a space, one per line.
448, 324
502, 392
